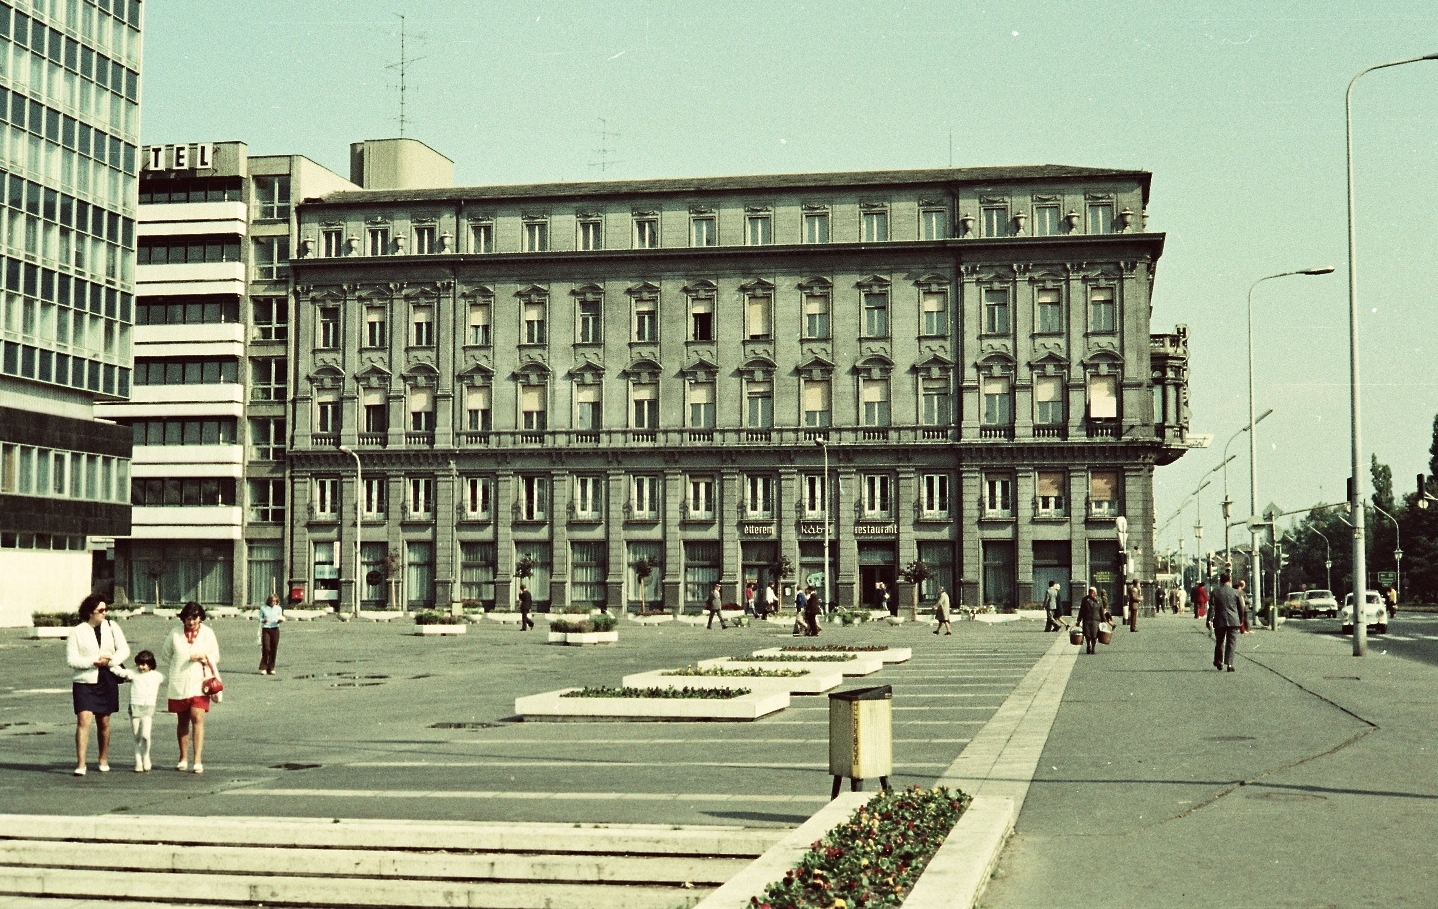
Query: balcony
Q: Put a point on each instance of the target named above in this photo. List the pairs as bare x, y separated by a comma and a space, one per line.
419, 440
475, 439
1102, 429
158, 219
325, 440
190, 278
934, 434
758, 435
1056, 431
874, 435
997, 432
373, 439
705, 436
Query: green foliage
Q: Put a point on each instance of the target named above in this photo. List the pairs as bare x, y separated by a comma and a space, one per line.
782, 568
852, 616
524, 568
872, 860
700, 694
604, 622
598, 622
917, 572
1382, 485
55, 619
795, 658
835, 648
751, 672
431, 617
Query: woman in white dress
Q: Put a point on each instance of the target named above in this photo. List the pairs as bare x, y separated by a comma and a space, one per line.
193, 654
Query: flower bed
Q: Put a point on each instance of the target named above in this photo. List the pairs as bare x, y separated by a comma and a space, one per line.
887, 654
749, 672
601, 622
850, 616
431, 617
638, 703
762, 679
603, 691
872, 860
834, 648
817, 658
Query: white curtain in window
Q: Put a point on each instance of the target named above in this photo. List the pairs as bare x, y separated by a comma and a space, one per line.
1103, 397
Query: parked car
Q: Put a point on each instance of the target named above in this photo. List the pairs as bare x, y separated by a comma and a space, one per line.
1309, 603
1375, 613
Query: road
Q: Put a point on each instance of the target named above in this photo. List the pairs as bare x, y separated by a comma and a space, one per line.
1412, 635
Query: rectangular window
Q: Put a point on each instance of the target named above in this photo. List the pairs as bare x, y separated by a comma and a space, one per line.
327, 496
267, 570
376, 411
701, 319
1100, 218
816, 316
937, 403
935, 308
646, 233
1048, 311
814, 495
998, 495
423, 335
1051, 499
759, 497
327, 572
816, 227
933, 224
424, 240
534, 332
701, 497
591, 322
644, 497
877, 502
701, 405
534, 407
998, 410
419, 574
759, 405
476, 492
1046, 221
816, 403
874, 394
702, 562
1103, 397
760, 313
272, 258
421, 497
267, 438
534, 498
759, 230
376, 497
702, 232
1103, 494
378, 241
1048, 400
589, 572
476, 571
936, 495
589, 498
272, 318
267, 501
646, 321
421, 410
1103, 313
374, 327
273, 196
268, 378
649, 589
876, 315
479, 325
477, 409
588, 407
328, 334
875, 227
481, 238
645, 398
996, 311
333, 240
996, 222
327, 416
591, 235
536, 236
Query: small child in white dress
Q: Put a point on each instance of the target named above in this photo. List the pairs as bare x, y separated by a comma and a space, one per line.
145, 685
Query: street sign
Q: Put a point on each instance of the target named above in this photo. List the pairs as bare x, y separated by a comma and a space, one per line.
1387, 578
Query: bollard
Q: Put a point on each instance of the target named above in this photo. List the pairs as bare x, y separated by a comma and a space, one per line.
861, 736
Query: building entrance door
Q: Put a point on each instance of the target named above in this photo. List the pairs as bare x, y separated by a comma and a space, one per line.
877, 562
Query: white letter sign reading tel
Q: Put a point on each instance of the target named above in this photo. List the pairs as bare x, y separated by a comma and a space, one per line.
195, 156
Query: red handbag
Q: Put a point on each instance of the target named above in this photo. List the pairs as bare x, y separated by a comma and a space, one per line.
212, 685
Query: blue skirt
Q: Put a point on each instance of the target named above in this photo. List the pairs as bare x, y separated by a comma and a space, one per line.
102, 698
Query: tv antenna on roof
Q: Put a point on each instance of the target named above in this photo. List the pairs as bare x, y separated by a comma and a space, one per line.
400, 66
604, 151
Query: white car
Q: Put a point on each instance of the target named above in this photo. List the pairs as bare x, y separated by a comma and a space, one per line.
1375, 613
1307, 603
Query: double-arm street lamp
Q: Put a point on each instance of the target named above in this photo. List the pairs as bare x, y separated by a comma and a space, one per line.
1355, 497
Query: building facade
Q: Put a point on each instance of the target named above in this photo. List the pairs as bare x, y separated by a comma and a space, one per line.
952, 366
207, 411
69, 125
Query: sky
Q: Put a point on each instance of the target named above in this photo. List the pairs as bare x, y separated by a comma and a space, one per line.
1236, 109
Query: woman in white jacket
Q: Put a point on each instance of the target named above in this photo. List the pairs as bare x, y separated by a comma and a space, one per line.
92, 648
193, 654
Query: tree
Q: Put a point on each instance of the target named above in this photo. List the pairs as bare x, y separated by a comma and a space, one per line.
644, 566
391, 566
1382, 485
916, 573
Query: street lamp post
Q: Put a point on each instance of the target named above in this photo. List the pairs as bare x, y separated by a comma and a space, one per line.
359, 518
1227, 501
1397, 547
1327, 559
823, 444
1253, 431
1360, 563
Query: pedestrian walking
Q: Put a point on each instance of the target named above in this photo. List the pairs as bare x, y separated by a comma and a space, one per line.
716, 608
883, 599
1177, 598
271, 615
1135, 600
193, 655
1052, 607
93, 649
145, 684
526, 606
1092, 611
801, 605
811, 613
941, 612
749, 598
1245, 609
1225, 618
1200, 600
771, 600
1390, 598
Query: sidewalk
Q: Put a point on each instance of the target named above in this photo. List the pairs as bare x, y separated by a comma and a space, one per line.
1306, 778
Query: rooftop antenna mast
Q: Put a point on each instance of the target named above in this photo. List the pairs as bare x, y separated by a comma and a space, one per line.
604, 151
400, 67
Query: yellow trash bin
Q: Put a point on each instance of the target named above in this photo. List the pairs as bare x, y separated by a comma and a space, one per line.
861, 736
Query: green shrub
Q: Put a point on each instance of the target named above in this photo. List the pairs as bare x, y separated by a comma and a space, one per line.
749, 672
793, 658
712, 694
562, 626
55, 619
835, 648
604, 622
433, 617
852, 616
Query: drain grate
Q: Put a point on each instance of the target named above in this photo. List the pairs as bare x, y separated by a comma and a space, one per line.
464, 725
294, 766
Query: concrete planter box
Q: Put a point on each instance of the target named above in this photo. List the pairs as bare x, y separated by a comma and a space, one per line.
381, 615
565, 616
848, 668
504, 618
584, 637
38, 634
815, 681
427, 630
651, 619
550, 706
888, 655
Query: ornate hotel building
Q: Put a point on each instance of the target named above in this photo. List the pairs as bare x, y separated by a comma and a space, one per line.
951, 365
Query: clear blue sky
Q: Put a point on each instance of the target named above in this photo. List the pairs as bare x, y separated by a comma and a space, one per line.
1236, 108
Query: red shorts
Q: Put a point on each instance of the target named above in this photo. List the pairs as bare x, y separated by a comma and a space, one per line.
183, 705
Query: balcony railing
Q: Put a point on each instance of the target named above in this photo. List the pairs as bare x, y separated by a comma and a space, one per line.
1102, 429
373, 439
996, 432
419, 439
872, 434
1057, 431
325, 440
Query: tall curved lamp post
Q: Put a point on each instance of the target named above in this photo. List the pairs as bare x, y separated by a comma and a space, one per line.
1228, 502
1355, 497
1254, 589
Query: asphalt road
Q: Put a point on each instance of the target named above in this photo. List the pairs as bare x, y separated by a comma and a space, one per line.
1411, 635
368, 720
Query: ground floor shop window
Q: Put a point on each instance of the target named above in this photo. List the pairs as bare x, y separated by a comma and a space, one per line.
999, 574
702, 562
540, 558
588, 573
1103, 571
940, 559
419, 574
812, 567
877, 565
372, 566
650, 593
759, 559
1051, 563
476, 572
179, 572
266, 572
327, 573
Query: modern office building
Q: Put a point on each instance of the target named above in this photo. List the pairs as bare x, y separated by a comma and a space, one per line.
207, 411
69, 125
954, 366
